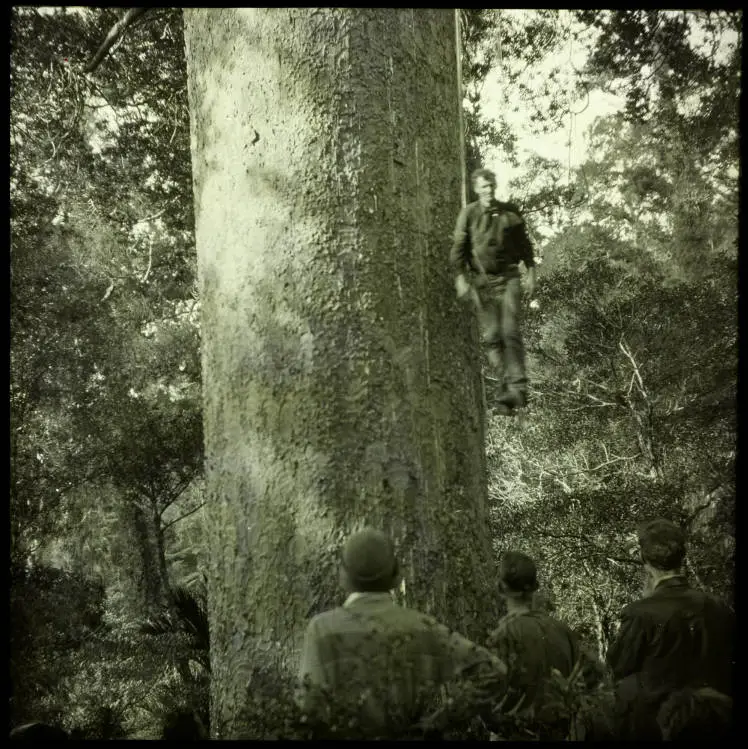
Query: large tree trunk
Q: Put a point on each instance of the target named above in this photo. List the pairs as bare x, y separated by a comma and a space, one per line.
341, 378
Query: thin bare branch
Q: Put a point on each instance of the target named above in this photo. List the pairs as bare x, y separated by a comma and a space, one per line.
692, 571
605, 450
109, 290
181, 517
150, 261
156, 215
599, 401
635, 366
631, 385
170, 497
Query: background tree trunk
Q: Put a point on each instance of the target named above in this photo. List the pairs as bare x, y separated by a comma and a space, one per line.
152, 591
341, 378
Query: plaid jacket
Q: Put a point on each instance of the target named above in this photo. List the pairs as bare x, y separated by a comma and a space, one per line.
385, 659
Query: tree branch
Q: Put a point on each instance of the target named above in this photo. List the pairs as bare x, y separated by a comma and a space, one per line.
176, 492
150, 261
599, 401
692, 571
590, 547
181, 517
114, 34
153, 217
635, 366
566, 475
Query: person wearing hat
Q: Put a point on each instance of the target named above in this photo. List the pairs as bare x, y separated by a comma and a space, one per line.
673, 638
532, 643
381, 657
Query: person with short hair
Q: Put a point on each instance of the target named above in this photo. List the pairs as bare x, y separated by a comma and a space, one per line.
490, 241
673, 638
385, 659
531, 642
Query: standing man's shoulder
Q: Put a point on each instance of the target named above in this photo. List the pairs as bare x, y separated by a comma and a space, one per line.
560, 625
508, 205
512, 210
712, 603
418, 620
709, 597
665, 601
326, 620
508, 624
635, 607
450, 642
643, 610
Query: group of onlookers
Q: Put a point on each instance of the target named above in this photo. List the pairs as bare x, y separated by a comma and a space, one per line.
671, 661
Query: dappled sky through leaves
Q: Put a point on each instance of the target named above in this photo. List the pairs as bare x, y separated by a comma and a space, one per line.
571, 57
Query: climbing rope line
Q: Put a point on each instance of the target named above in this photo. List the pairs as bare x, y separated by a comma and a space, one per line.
573, 133
460, 113
570, 96
573, 153
463, 158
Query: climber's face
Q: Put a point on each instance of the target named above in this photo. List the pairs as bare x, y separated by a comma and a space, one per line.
485, 188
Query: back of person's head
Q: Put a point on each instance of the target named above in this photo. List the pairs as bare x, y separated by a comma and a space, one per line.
518, 575
662, 544
368, 562
695, 714
38, 732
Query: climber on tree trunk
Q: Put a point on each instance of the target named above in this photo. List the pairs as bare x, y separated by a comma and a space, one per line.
490, 241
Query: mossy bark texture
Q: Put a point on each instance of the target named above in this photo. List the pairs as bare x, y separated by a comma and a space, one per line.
341, 380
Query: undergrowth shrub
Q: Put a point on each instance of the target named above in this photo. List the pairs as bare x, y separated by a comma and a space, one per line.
472, 709
78, 661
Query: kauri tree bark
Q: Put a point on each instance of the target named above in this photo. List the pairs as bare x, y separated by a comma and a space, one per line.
341, 378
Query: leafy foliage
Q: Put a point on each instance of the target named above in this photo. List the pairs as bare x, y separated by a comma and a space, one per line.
51, 612
105, 366
190, 617
472, 709
105, 372
79, 664
665, 46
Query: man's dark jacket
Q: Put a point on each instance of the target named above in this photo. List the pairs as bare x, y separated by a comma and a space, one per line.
677, 637
496, 235
532, 644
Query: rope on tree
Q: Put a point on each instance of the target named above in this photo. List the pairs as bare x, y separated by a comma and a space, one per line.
460, 113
